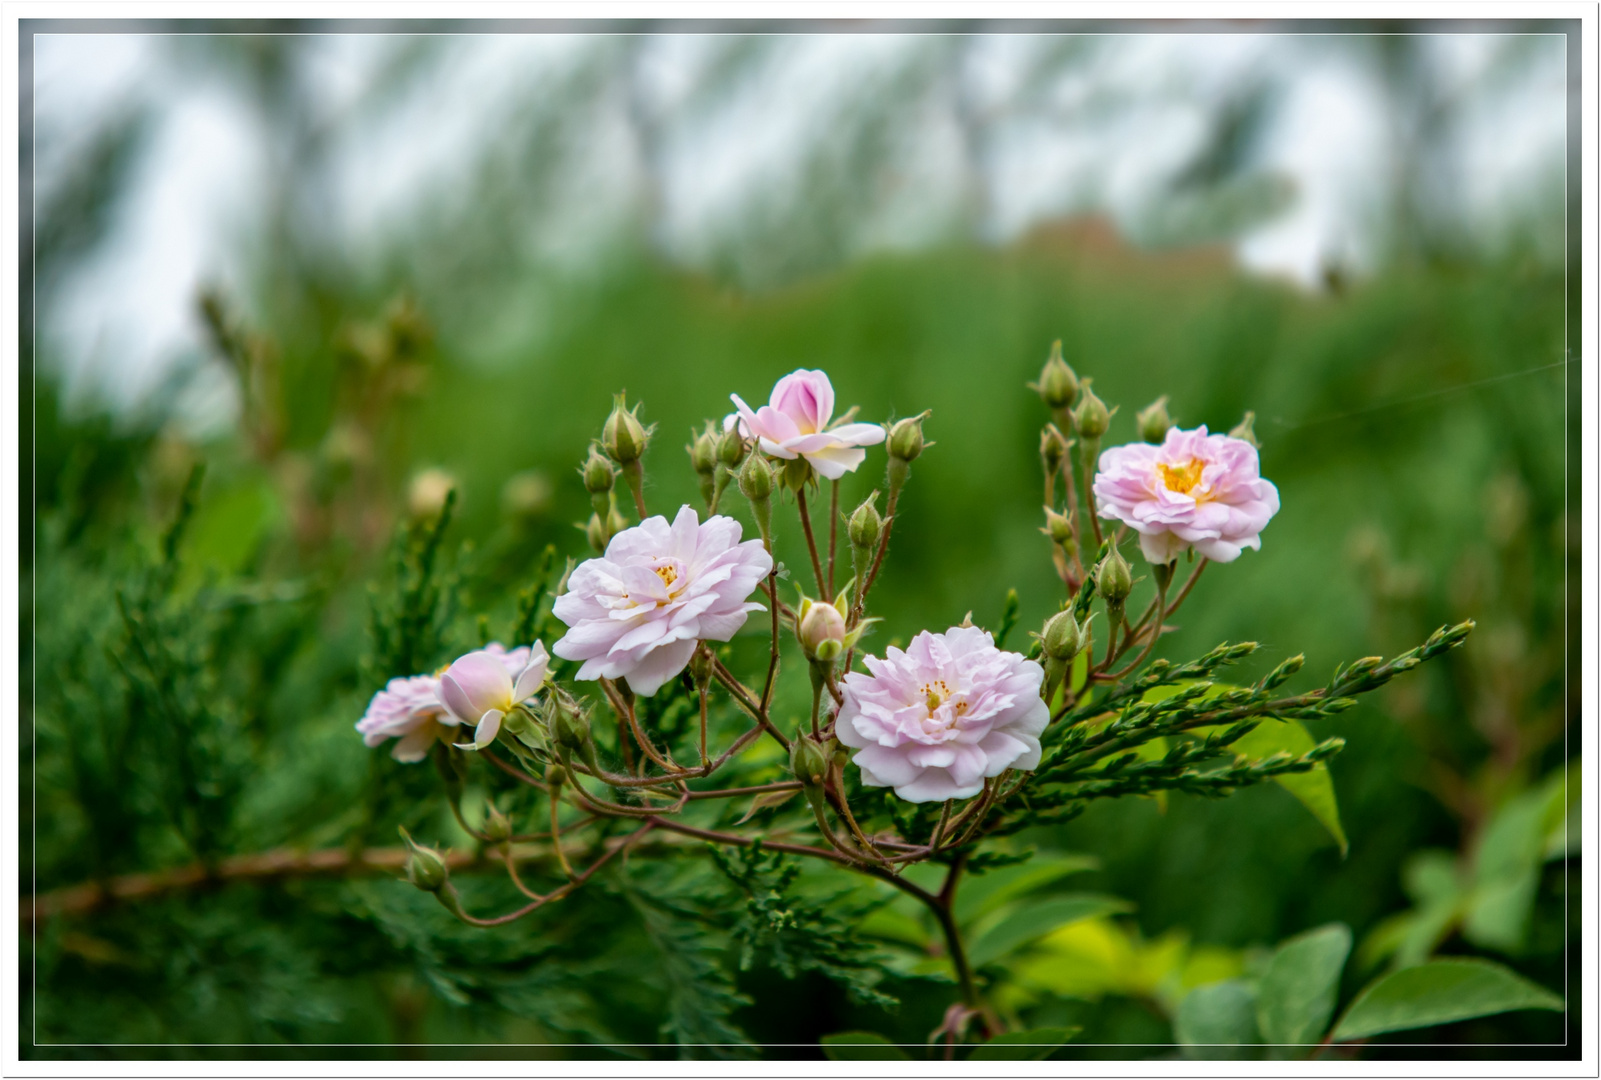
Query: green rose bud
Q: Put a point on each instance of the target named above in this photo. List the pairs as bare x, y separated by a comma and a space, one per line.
497, 826
703, 451
1091, 417
1153, 420
866, 524
1063, 636
808, 761
1113, 578
1246, 430
425, 867
569, 726
1058, 385
624, 437
756, 479
906, 438
731, 448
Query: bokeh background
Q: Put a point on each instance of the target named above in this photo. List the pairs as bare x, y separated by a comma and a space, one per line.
350, 266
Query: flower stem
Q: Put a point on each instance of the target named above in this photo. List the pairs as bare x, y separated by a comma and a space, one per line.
833, 532
811, 542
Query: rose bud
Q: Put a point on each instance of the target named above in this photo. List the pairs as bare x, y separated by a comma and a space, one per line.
624, 437
906, 438
866, 524
756, 479
1063, 637
1091, 417
425, 867
703, 459
1245, 430
821, 629
701, 665
569, 726
1058, 385
1053, 449
596, 532
731, 448
808, 761
1153, 421
497, 826
599, 477
1113, 579
1058, 528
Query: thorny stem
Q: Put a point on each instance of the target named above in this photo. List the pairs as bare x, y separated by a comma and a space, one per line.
872, 572
811, 542
623, 702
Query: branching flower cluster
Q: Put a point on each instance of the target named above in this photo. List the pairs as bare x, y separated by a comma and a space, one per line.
919, 754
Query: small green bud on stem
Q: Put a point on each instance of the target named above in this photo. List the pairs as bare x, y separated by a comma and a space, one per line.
425, 867
756, 484
1058, 386
1246, 430
569, 725
497, 826
624, 437
1114, 580
1153, 421
906, 444
1091, 417
809, 760
703, 458
701, 665
1053, 449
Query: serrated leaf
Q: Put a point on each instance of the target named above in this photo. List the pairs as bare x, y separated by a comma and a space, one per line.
1036, 1045
1218, 1022
766, 801
1297, 994
1440, 992
1033, 919
861, 1046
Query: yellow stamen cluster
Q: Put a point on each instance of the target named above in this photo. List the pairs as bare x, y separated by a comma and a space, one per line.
1182, 478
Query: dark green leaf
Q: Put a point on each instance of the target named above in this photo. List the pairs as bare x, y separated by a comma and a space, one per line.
861, 1046
1440, 992
980, 895
1036, 1045
1297, 993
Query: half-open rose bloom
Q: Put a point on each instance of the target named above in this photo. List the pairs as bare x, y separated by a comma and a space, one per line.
932, 722
1194, 489
638, 610
794, 423
409, 709
479, 689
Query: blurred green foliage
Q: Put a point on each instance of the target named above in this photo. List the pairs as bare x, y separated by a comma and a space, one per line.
1414, 424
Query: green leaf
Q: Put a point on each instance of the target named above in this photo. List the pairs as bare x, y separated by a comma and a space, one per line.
1314, 788
861, 1046
985, 893
1440, 992
1218, 1021
1036, 1045
1034, 919
1297, 993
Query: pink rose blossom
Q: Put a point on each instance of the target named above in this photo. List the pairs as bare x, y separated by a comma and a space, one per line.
794, 423
1194, 489
479, 689
637, 611
409, 708
932, 722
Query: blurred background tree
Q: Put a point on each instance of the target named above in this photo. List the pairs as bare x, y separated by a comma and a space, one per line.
349, 271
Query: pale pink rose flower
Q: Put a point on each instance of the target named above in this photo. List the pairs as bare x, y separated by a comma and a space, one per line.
479, 689
794, 423
409, 708
935, 720
1194, 489
638, 610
